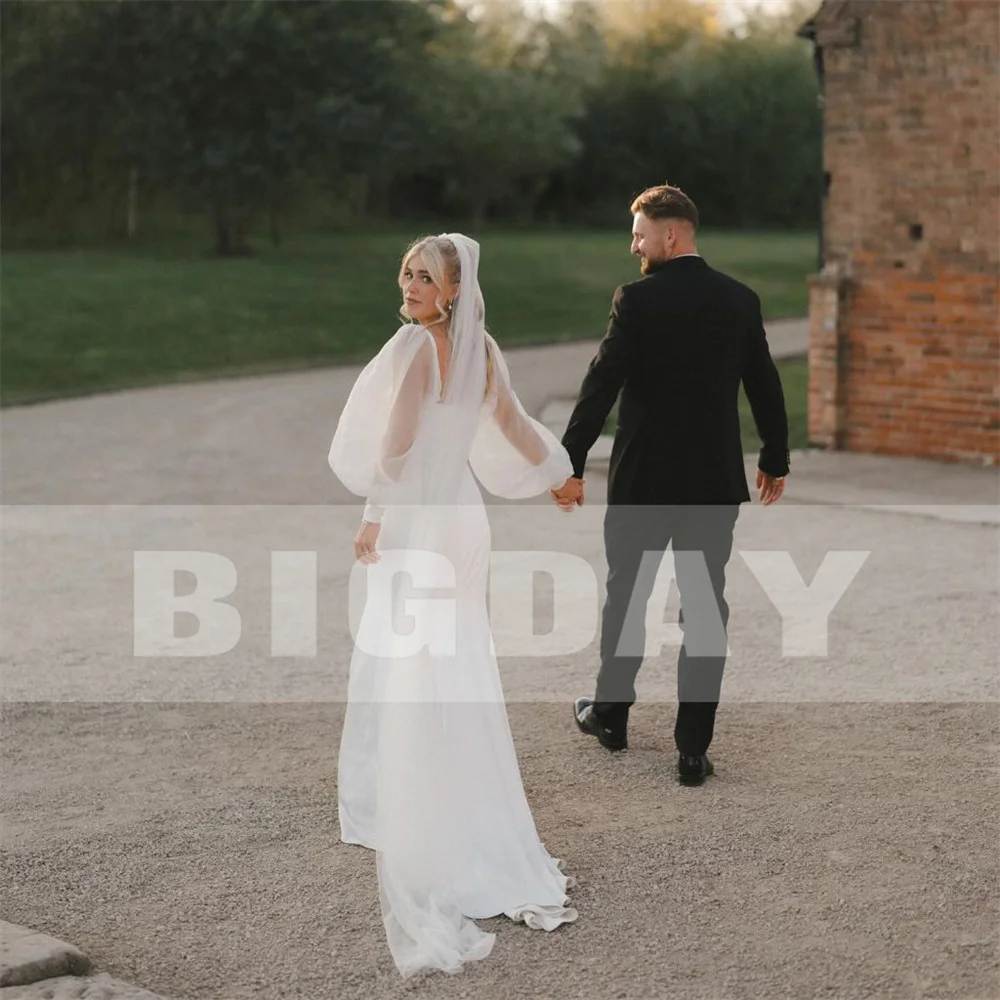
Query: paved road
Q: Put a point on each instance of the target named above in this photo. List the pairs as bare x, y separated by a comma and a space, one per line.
257, 440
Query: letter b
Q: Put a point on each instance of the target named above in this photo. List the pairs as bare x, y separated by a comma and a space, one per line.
156, 604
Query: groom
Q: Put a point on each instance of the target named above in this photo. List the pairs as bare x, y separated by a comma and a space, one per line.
680, 342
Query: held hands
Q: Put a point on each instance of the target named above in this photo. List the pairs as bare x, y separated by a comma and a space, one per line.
569, 495
771, 487
364, 543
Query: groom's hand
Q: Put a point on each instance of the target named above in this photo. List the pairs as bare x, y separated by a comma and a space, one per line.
569, 495
770, 487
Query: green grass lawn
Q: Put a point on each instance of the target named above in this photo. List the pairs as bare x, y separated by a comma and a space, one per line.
795, 382
79, 321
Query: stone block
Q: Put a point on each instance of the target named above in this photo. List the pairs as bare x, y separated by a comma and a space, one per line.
27, 956
101, 987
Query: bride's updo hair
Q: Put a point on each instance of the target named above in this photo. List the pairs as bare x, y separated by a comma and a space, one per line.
441, 259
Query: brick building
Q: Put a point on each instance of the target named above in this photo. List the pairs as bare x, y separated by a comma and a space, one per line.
904, 348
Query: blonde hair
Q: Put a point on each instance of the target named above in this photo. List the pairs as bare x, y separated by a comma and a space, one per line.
441, 259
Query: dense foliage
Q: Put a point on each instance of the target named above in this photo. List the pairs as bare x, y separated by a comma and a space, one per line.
320, 114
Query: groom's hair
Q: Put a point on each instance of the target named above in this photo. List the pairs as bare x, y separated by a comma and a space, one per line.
666, 202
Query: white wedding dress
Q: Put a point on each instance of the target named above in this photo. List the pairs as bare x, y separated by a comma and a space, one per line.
428, 775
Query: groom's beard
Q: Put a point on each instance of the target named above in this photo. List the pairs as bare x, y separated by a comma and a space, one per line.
649, 266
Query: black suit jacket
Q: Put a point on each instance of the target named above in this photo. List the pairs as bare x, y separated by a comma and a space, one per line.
679, 343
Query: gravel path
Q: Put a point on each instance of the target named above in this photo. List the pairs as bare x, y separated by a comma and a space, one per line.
841, 851
845, 849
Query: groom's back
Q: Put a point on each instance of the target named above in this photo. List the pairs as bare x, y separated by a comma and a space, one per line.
679, 432
694, 324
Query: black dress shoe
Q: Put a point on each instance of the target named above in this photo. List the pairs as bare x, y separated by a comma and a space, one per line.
609, 737
693, 770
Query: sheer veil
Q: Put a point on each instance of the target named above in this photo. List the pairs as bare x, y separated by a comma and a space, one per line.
465, 383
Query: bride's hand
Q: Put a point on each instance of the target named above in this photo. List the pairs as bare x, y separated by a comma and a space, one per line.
569, 495
364, 542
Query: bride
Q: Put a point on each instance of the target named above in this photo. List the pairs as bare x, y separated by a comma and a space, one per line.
428, 775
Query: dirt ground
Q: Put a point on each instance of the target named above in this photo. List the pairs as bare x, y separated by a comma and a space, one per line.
841, 851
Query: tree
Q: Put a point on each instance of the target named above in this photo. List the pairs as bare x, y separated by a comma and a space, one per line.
731, 120
496, 121
641, 32
244, 92
226, 100
48, 131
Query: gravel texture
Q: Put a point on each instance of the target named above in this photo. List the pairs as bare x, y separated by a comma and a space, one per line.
840, 851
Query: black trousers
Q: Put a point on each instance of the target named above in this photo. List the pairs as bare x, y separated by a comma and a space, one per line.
635, 539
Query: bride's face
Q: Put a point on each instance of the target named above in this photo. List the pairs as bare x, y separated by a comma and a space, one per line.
420, 293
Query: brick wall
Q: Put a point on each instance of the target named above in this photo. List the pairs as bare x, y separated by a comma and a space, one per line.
905, 317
